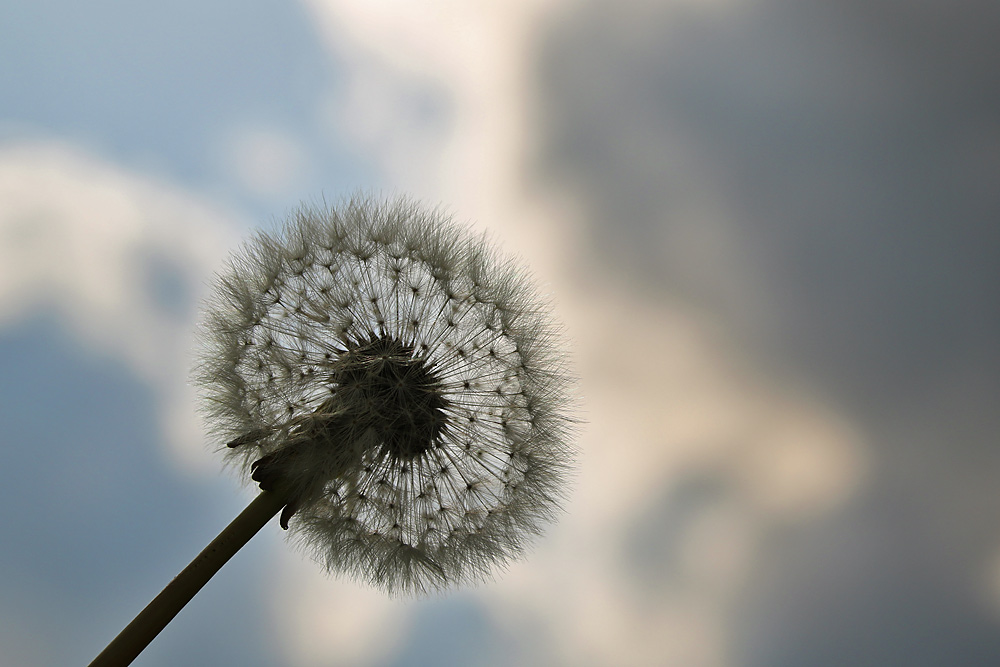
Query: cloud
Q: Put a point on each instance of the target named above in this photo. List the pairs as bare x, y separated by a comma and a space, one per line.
264, 161
770, 229
434, 91
811, 172
638, 571
321, 618
121, 258
808, 178
669, 396
101, 523
159, 85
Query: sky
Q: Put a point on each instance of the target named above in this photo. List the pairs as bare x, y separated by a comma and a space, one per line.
770, 228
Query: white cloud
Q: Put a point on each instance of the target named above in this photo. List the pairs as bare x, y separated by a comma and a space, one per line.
120, 257
434, 89
265, 161
320, 619
665, 401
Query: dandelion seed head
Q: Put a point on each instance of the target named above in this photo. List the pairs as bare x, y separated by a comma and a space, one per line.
401, 381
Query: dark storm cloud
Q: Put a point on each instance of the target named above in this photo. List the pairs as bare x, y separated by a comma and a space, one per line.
823, 176
869, 586
855, 147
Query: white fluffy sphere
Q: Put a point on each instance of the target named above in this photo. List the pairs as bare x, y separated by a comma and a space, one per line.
400, 381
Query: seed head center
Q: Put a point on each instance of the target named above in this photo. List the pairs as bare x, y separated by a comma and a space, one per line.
386, 387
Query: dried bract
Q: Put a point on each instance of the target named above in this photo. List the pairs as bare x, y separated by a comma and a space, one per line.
400, 382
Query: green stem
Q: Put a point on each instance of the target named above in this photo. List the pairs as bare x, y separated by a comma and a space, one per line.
124, 648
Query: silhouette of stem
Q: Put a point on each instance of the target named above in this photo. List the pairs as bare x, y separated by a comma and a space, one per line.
124, 648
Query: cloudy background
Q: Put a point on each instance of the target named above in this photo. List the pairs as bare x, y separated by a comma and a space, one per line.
771, 227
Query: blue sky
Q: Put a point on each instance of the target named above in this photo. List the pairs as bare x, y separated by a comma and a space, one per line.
159, 88
770, 228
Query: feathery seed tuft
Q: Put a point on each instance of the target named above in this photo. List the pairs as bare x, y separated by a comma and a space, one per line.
401, 382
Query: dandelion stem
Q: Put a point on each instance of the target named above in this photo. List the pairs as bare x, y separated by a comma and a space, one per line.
124, 648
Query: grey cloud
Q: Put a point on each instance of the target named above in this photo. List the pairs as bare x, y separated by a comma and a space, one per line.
656, 537
821, 176
852, 161
873, 586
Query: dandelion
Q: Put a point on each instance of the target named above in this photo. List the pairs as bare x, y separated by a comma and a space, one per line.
395, 387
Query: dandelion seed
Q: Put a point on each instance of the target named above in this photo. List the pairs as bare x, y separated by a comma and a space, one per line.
394, 386
387, 399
